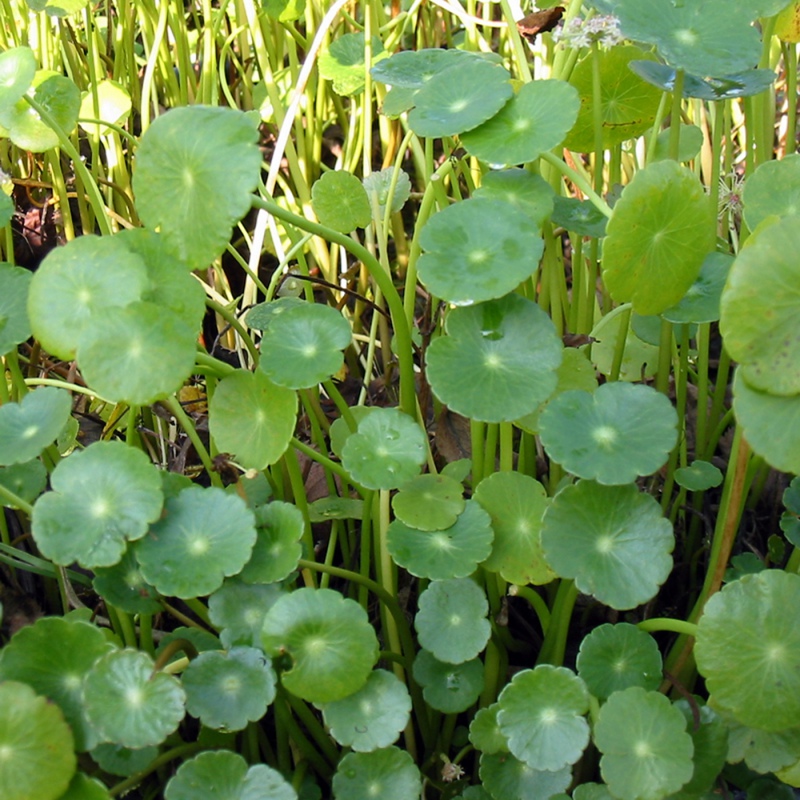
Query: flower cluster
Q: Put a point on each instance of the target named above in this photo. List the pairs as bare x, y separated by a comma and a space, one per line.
603, 30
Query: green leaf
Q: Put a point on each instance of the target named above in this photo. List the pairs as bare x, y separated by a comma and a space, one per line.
238, 609
747, 648
516, 504
647, 753
452, 552
82, 787
137, 354
344, 62
690, 140
386, 451
535, 120
740, 84
228, 690
58, 8
102, 498
204, 536
373, 717
498, 361
698, 476
760, 305
508, 778
76, 282
261, 314
252, 418
429, 502
628, 105
772, 190
451, 620
380, 184
340, 201
14, 324
710, 740
52, 656
531, 194
701, 38
478, 250
196, 168
279, 528
17, 68
124, 587
701, 303
285, 10
762, 751
328, 639
613, 540
123, 761
613, 435
639, 361
615, 657
579, 216
223, 774
459, 98
412, 69
541, 716
485, 733
113, 106
39, 759
390, 774
449, 688
29, 426
129, 705
303, 346
770, 422
660, 232
59, 96
27, 481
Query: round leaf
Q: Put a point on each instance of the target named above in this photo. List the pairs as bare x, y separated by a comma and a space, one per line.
506, 777
344, 62
379, 184
451, 620
453, 552
429, 502
478, 250
103, 497
373, 717
647, 753
628, 105
485, 733
113, 106
328, 638
459, 98
516, 504
701, 303
17, 68
204, 536
52, 656
747, 649
772, 190
613, 540
579, 216
535, 120
252, 418
498, 361
228, 690
771, 424
38, 757
412, 69
75, 282
449, 688
196, 168
340, 201
127, 704
386, 451
14, 324
698, 476
613, 435
123, 761
27, 481
614, 657
137, 354
279, 528
389, 774
760, 305
124, 587
238, 609
82, 787
29, 426
223, 774
660, 232
530, 193
541, 715
303, 346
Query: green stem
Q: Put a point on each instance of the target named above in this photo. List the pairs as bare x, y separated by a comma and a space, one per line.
665, 624
186, 423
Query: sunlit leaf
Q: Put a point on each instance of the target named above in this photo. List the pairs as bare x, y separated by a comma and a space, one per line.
14, 324
340, 201
390, 774
29, 426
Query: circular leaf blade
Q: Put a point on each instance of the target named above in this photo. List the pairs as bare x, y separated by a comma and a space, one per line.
340, 201
29, 426
390, 774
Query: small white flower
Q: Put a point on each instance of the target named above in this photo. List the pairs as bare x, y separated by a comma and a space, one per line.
603, 30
